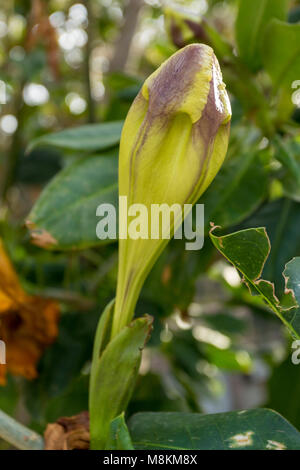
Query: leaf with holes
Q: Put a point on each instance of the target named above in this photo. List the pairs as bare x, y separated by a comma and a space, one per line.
248, 251
292, 276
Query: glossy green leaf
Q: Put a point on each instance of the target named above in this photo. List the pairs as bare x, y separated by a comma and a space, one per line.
64, 217
238, 189
281, 50
251, 22
119, 438
111, 387
259, 429
248, 251
87, 138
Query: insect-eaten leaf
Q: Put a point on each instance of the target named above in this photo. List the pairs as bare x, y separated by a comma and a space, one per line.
248, 251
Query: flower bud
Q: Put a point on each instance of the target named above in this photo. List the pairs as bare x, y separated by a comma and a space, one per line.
182, 28
173, 143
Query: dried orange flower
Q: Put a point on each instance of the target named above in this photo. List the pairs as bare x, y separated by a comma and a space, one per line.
27, 323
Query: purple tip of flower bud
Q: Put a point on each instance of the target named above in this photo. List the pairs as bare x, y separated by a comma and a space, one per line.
189, 82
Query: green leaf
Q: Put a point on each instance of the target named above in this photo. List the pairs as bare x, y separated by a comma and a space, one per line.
119, 438
9, 395
259, 429
226, 323
281, 219
248, 251
72, 401
288, 152
251, 22
283, 390
112, 387
64, 217
292, 276
229, 359
88, 138
238, 189
281, 50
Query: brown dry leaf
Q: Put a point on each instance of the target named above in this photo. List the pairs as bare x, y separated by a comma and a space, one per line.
40, 237
27, 323
68, 433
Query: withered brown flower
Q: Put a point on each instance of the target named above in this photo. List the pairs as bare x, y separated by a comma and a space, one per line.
27, 323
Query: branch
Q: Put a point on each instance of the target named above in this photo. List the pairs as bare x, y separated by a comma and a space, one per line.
90, 101
18, 435
122, 46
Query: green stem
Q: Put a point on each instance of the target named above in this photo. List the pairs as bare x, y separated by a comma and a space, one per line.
124, 308
18, 435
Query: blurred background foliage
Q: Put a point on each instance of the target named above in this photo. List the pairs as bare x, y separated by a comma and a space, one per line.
66, 64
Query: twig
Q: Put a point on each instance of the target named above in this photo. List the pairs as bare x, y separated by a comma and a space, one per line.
12, 159
18, 435
122, 46
89, 96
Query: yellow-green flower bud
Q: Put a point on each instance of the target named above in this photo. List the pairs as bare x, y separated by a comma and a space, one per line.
173, 143
183, 27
